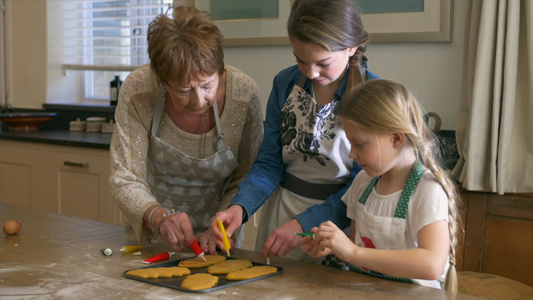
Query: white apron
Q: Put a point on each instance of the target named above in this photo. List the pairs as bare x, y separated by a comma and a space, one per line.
315, 152
185, 183
385, 233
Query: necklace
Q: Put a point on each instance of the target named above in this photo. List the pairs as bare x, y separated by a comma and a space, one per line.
205, 133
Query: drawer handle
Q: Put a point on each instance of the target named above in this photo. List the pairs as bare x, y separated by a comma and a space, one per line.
75, 164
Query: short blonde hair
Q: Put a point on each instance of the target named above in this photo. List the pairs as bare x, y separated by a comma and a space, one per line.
190, 43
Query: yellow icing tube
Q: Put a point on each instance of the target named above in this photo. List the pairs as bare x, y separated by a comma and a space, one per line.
127, 249
225, 239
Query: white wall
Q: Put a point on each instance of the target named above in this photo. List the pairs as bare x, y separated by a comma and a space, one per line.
26, 52
432, 70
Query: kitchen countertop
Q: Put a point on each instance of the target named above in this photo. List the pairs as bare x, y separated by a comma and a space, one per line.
60, 137
58, 256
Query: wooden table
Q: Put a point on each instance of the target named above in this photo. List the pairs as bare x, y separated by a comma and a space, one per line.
58, 257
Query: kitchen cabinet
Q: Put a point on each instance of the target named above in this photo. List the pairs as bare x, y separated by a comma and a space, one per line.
499, 235
20, 173
62, 179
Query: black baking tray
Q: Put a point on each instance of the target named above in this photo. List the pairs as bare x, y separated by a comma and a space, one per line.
175, 282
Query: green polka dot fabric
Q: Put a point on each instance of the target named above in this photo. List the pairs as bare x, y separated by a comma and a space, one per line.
368, 190
377, 274
408, 189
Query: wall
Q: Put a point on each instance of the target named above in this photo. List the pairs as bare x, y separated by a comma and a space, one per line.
433, 70
26, 52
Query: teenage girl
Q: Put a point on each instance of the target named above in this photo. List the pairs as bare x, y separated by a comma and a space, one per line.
402, 204
302, 168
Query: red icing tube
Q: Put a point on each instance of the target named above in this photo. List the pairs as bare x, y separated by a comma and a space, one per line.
159, 257
197, 249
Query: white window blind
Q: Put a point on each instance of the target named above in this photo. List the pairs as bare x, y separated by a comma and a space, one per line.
100, 34
101, 39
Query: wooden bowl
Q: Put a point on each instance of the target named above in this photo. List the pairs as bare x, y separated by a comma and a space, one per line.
25, 121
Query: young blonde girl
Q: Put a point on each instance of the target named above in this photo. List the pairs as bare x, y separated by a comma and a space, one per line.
402, 205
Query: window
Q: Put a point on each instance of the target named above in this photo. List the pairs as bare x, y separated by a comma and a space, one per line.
101, 39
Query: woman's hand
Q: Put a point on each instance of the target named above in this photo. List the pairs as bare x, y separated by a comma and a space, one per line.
207, 241
330, 239
283, 240
231, 218
176, 231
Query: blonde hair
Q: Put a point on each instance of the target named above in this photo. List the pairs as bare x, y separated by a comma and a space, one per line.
335, 25
190, 43
384, 106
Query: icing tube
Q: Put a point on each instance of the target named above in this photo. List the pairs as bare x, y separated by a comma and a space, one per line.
225, 239
106, 251
127, 249
159, 257
312, 235
197, 250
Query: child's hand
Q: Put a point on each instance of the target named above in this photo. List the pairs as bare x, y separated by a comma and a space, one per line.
311, 248
331, 239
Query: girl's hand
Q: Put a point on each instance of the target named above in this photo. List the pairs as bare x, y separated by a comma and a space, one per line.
331, 239
311, 248
176, 231
231, 218
283, 240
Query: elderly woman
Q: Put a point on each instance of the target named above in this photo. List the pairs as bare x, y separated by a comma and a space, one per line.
188, 129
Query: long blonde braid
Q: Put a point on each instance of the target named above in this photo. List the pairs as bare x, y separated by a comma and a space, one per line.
426, 153
384, 106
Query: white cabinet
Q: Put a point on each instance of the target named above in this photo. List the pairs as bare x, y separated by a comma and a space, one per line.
20, 173
63, 179
78, 179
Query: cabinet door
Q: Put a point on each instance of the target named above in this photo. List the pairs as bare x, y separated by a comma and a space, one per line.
20, 170
78, 179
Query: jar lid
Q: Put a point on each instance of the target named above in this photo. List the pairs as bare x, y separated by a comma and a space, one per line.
96, 119
77, 122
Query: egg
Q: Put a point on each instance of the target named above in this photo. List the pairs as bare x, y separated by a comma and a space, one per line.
12, 227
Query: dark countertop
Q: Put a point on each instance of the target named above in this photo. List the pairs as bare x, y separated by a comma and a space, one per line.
56, 131
60, 137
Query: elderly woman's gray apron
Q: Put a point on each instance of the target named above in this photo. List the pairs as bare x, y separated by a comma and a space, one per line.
185, 183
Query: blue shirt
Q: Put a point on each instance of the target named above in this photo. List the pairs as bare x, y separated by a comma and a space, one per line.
268, 169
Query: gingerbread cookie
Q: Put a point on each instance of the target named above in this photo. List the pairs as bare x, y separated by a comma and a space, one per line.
250, 273
159, 272
199, 281
198, 262
229, 265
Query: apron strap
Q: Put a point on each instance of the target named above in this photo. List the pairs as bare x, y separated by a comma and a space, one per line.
368, 190
318, 191
220, 142
158, 109
301, 81
408, 189
377, 274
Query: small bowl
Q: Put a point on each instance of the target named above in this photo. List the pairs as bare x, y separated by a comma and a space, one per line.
25, 121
